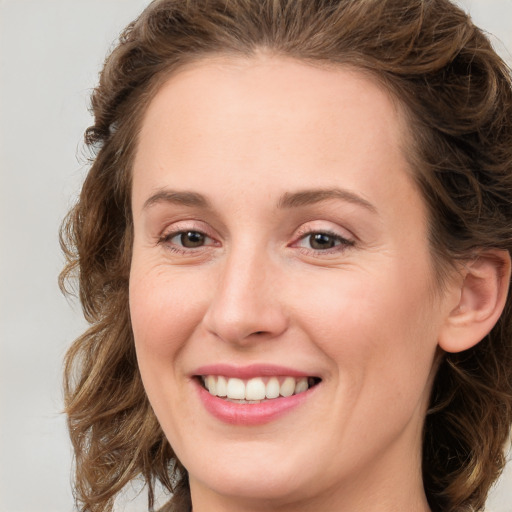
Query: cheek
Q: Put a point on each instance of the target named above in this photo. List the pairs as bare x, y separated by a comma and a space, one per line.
375, 327
164, 311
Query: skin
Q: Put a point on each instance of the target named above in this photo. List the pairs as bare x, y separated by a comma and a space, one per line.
364, 316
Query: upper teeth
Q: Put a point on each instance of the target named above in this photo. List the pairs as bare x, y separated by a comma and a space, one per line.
255, 388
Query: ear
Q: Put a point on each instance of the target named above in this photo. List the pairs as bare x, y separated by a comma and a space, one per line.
482, 297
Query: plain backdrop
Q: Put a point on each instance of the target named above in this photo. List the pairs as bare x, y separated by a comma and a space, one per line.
50, 55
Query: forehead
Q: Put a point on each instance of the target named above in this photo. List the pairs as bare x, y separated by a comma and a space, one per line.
265, 85
270, 120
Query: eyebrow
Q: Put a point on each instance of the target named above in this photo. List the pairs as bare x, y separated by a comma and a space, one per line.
308, 197
287, 200
175, 197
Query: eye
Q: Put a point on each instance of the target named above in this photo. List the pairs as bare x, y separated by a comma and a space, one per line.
323, 241
184, 240
189, 239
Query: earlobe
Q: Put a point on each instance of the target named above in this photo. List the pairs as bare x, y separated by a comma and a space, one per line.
483, 294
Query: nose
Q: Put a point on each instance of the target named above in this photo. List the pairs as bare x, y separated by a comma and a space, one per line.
245, 305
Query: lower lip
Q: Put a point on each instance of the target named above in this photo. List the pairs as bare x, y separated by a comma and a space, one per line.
250, 414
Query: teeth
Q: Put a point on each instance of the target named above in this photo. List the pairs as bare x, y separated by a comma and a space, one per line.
222, 386
236, 389
256, 389
211, 384
272, 388
301, 386
287, 387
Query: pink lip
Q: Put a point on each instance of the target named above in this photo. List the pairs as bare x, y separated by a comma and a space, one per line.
249, 414
248, 372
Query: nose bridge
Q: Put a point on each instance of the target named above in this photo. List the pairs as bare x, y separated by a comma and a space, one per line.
245, 301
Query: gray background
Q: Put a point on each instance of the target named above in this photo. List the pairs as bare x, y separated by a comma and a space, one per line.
50, 55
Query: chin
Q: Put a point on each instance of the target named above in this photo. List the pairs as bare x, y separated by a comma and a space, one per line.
255, 484
255, 476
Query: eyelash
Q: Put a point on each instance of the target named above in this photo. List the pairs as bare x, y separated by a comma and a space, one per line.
166, 240
341, 243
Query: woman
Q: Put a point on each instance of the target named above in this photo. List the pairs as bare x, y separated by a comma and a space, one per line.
293, 247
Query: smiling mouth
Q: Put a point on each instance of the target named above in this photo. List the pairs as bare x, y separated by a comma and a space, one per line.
256, 389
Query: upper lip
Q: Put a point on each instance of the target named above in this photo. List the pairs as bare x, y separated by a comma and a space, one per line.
249, 371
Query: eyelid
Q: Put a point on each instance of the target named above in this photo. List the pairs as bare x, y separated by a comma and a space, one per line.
186, 225
173, 234
343, 242
176, 228
312, 228
323, 227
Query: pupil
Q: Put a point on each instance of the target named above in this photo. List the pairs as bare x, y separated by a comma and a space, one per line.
192, 239
322, 241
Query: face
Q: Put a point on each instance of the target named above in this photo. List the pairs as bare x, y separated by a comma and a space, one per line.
280, 258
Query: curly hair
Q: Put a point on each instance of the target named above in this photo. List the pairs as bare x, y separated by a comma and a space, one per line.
457, 95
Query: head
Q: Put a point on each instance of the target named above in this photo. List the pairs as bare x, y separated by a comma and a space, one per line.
449, 101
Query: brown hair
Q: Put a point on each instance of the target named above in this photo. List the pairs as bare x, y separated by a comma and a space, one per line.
458, 97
